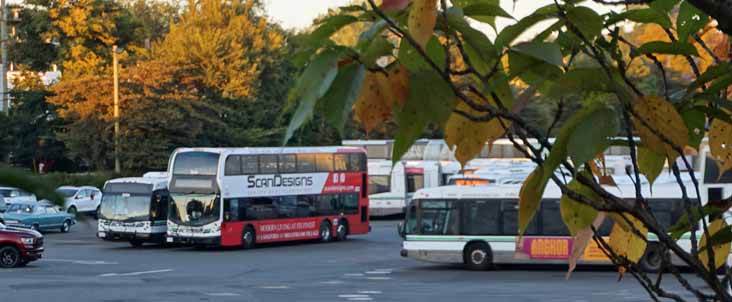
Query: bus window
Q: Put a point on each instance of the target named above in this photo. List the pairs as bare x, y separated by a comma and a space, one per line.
349, 203
233, 165
439, 218
356, 162
159, 208
287, 163
415, 182
286, 206
551, 219
196, 163
305, 163
324, 162
509, 219
250, 164
411, 220
712, 175
231, 209
379, 184
268, 164
481, 217
340, 162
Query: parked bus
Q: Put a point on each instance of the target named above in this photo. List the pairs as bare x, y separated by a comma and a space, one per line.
135, 209
245, 196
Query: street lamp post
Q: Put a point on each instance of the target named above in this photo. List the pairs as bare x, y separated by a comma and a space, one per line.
116, 109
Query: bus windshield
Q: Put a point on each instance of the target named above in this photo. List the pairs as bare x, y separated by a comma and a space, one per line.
194, 209
196, 163
125, 207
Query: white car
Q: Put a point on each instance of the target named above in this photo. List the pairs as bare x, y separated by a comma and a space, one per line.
80, 199
9, 195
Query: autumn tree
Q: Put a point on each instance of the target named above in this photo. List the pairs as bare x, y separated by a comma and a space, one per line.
576, 53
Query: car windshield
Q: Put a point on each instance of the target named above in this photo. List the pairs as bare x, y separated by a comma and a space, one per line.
20, 209
5, 192
66, 193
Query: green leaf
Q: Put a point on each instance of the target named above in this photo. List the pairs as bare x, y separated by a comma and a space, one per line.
412, 60
645, 15
668, 48
489, 18
579, 81
530, 198
511, 32
365, 38
478, 47
690, 20
379, 47
712, 209
329, 26
338, 101
430, 100
531, 70
547, 52
722, 83
478, 11
712, 72
695, 120
650, 163
577, 215
663, 6
586, 20
312, 84
588, 139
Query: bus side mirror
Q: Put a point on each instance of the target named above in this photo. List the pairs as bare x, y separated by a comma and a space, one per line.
400, 229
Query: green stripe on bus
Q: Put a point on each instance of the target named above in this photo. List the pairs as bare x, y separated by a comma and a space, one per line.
462, 238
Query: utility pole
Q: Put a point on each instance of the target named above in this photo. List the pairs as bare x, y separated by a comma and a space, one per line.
116, 108
4, 54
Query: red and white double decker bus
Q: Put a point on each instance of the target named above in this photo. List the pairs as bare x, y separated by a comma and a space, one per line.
245, 196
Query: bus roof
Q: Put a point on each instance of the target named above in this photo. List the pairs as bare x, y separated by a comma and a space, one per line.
275, 150
511, 191
156, 182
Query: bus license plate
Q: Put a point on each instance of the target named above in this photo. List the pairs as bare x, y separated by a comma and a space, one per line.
169, 239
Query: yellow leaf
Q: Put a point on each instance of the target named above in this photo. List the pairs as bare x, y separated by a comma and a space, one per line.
530, 198
626, 243
660, 115
422, 20
469, 136
580, 242
374, 104
720, 144
721, 251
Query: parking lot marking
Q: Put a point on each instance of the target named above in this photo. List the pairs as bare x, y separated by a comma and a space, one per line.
332, 282
361, 299
86, 262
378, 272
354, 275
274, 287
378, 278
348, 296
135, 273
222, 294
370, 292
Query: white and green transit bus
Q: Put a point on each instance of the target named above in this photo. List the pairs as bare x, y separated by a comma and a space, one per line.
476, 225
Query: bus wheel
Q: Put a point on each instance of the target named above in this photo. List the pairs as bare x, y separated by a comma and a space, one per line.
652, 259
248, 237
136, 242
326, 234
478, 256
342, 231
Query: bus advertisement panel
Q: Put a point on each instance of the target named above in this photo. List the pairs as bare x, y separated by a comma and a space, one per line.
244, 196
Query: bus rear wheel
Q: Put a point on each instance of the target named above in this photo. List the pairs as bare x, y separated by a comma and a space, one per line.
478, 256
248, 238
326, 234
652, 260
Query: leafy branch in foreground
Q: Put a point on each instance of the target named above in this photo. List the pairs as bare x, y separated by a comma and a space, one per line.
422, 63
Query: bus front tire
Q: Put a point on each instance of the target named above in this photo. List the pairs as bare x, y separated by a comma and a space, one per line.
652, 260
326, 233
478, 256
248, 238
342, 231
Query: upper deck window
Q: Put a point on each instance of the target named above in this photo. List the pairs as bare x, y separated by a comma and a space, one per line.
196, 163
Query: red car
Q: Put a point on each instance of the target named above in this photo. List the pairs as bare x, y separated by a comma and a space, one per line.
19, 246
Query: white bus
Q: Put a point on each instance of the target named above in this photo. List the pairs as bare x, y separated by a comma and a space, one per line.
135, 209
247, 196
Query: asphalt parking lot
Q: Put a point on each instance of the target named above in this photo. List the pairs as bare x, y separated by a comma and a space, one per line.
79, 267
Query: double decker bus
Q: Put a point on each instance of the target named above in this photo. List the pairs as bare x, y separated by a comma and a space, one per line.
245, 196
135, 209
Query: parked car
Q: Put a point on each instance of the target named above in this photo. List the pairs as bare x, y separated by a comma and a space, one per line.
19, 246
80, 199
11, 195
37, 217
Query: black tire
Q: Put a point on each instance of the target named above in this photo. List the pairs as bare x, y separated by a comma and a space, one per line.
137, 243
652, 260
478, 256
66, 227
342, 231
9, 257
72, 210
96, 213
248, 238
326, 231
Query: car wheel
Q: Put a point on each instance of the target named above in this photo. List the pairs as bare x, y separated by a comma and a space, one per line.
652, 259
248, 238
9, 257
66, 227
136, 242
96, 213
478, 256
72, 210
342, 231
326, 234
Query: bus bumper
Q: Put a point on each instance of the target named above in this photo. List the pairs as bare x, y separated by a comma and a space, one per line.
194, 240
126, 236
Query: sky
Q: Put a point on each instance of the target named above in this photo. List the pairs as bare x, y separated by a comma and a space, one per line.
299, 14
